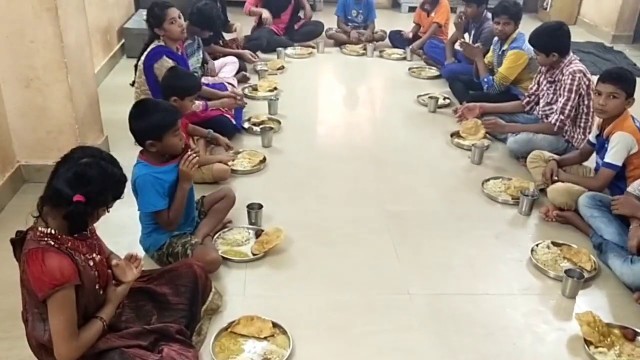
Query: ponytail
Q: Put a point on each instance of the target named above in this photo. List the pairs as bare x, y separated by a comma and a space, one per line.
152, 37
156, 15
77, 218
83, 184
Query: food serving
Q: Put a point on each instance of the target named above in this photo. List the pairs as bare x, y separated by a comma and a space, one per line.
299, 52
424, 72
556, 256
458, 141
472, 130
353, 50
276, 65
247, 243
505, 189
263, 90
393, 54
269, 239
606, 341
252, 124
246, 160
252, 337
443, 100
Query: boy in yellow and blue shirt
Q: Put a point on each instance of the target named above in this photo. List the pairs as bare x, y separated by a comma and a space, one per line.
506, 72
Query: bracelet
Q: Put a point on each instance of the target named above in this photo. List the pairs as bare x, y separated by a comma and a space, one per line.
105, 325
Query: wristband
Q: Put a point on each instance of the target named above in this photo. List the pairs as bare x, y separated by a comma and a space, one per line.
105, 325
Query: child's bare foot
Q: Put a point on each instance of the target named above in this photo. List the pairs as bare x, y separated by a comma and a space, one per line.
636, 297
547, 212
567, 217
243, 77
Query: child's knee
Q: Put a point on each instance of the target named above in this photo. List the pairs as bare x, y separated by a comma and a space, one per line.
228, 195
564, 195
221, 172
519, 146
210, 259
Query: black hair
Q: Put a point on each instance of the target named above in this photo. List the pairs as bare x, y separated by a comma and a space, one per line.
152, 119
83, 182
203, 16
155, 18
477, 3
509, 8
620, 77
180, 83
551, 37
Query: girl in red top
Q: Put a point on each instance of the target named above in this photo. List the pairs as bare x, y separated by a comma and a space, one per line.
82, 301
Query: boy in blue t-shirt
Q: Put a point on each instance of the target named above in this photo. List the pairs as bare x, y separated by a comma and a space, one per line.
356, 23
175, 225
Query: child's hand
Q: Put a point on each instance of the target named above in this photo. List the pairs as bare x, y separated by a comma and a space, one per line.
188, 165
225, 158
625, 205
550, 174
354, 36
115, 294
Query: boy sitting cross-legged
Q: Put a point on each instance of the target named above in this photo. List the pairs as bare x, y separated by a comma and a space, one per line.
179, 88
356, 23
614, 142
175, 225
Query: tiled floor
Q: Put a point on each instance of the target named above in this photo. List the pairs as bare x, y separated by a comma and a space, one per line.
392, 251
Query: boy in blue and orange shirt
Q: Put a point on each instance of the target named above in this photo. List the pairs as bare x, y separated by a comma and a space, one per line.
614, 142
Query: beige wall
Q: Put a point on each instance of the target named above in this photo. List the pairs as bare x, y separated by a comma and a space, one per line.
105, 19
612, 19
48, 90
600, 15
8, 159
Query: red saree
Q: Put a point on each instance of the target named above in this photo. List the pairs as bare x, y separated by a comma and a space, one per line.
157, 319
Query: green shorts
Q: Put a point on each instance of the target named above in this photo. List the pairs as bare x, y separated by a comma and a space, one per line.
180, 246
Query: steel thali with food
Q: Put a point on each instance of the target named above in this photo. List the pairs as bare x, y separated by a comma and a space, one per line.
250, 91
238, 168
299, 52
254, 129
353, 50
264, 66
393, 54
590, 275
458, 141
587, 343
251, 348
234, 243
502, 198
443, 100
424, 72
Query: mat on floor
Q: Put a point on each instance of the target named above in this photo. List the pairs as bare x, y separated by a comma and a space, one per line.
598, 57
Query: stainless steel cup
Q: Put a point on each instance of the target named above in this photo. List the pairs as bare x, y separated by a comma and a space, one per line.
262, 73
477, 153
273, 106
320, 46
266, 135
280, 53
408, 53
572, 282
371, 48
432, 103
528, 199
254, 213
